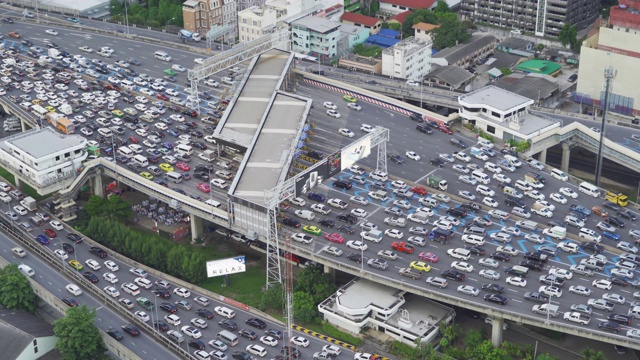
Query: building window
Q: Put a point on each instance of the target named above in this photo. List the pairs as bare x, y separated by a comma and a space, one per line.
491, 129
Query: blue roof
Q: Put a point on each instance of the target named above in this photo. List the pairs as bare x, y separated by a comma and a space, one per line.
382, 41
389, 33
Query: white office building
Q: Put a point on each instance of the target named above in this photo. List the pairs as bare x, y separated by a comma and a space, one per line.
43, 156
409, 59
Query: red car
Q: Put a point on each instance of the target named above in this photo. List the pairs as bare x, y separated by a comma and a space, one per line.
335, 237
204, 187
420, 190
134, 140
50, 233
445, 129
428, 257
162, 97
183, 166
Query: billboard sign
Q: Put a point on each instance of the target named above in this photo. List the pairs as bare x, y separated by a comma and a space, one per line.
309, 181
228, 266
334, 164
357, 151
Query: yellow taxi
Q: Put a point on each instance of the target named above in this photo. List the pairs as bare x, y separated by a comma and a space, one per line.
36, 102
313, 230
146, 175
421, 266
349, 98
76, 265
166, 167
50, 108
117, 113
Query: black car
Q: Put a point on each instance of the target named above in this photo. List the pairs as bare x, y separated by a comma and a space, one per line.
98, 252
510, 201
255, 322
396, 158
131, 329
162, 293
348, 218
68, 248
453, 275
71, 302
476, 250
8, 20
275, 333
228, 324
355, 257
291, 222
470, 205
500, 256
90, 276
627, 214
533, 265
327, 222
346, 229
437, 162
248, 334
197, 344
28, 43
161, 325
133, 61
75, 238
457, 212
592, 246
609, 326
241, 355
116, 334
199, 145
203, 167
618, 281
495, 298
342, 184
290, 351
610, 205
168, 307
200, 175
615, 221
552, 280
424, 128
204, 313
314, 154
620, 319
493, 288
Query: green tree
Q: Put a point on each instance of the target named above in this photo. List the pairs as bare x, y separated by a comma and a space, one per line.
313, 281
417, 16
94, 207
272, 298
568, 35
441, 7
450, 32
511, 349
118, 209
425, 351
545, 356
78, 337
472, 338
174, 260
591, 354
486, 351
16, 291
304, 308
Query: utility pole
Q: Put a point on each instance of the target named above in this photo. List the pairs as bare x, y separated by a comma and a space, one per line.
609, 75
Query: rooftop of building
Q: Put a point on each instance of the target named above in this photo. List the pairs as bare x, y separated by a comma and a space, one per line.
461, 51
363, 293
411, 4
494, 97
503, 60
626, 14
515, 43
409, 44
317, 24
18, 329
400, 17
531, 86
359, 19
453, 75
425, 26
191, 3
80, 5
539, 66
42, 142
381, 41
351, 29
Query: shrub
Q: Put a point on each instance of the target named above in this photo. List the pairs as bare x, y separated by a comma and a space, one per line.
333, 332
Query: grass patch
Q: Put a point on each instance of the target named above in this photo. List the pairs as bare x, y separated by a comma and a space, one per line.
25, 187
243, 287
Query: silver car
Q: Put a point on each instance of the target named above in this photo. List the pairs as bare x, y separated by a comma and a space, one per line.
471, 181
359, 200
489, 274
466, 195
468, 290
488, 262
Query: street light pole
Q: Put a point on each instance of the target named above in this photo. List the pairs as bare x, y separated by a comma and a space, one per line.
609, 74
126, 17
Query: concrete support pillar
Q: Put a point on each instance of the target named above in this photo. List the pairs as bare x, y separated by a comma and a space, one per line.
543, 156
496, 331
196, 228
566, 156
330, 271
23, 125
18, 182
96, 186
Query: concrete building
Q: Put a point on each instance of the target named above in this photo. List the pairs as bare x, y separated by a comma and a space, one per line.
351, 36
423, 30
452, 77
373, 24
393, 7
43, 156
254, 22
25, 337
202, 16
617, 46
502, 114
544, 17
517, 46
409, 59
465, 54
315, 37
398, 314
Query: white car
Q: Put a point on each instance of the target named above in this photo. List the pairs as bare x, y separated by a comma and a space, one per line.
461, 169
56, 225
366, 127
535, 194
93, 264
580, 290
614, 298
333, 114
558, 198
489, 274
359, 200
550, 290
51, 32
563, 274
74, 289
110, 278
489, 166
359, 213
485, 190
346, 132
441, 197
269, 340
447, 157
329, 105
354, 106
332, 250
86, 49
412, 155
488, 262
182, 292
468, 290
191, 332
413, 83
178, 68
466, 179
461, 156
399, 184
623, 273
568, 192
466, 195
403, 204
605, 227
516, 281
507, 250
462, 266
394, 233
546, 204
302, 238
198, 61
113, 292
201, 323
357, 245
490, 202
337, 203
602, 284
299, 341
473, 240
297, 201
61, 254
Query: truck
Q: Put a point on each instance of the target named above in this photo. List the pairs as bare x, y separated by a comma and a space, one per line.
440, 235
580, 210
536, 256
65, 109
577, 317
372, 235
207, 155
527, 224
38, 111
546, 309
620, 199
61, 122
556, 232
29, 203
402, 246
186, 35
536, 297
437, 182
406, 272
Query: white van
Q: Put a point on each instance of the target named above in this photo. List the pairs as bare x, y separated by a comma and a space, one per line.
213, 203
176, 100
106, 132
135, 148
228, 338
590, 235
379, 175
481, 177
161, 55
589, 189
141, 160
184, 149
174, 177
127, 84
26, 270
125, 151
560, 175
513, 160
225, 312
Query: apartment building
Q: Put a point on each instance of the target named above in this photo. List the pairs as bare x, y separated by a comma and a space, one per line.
409, 59
542, 17
394, 7
202, 15
618, 46
316, 37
